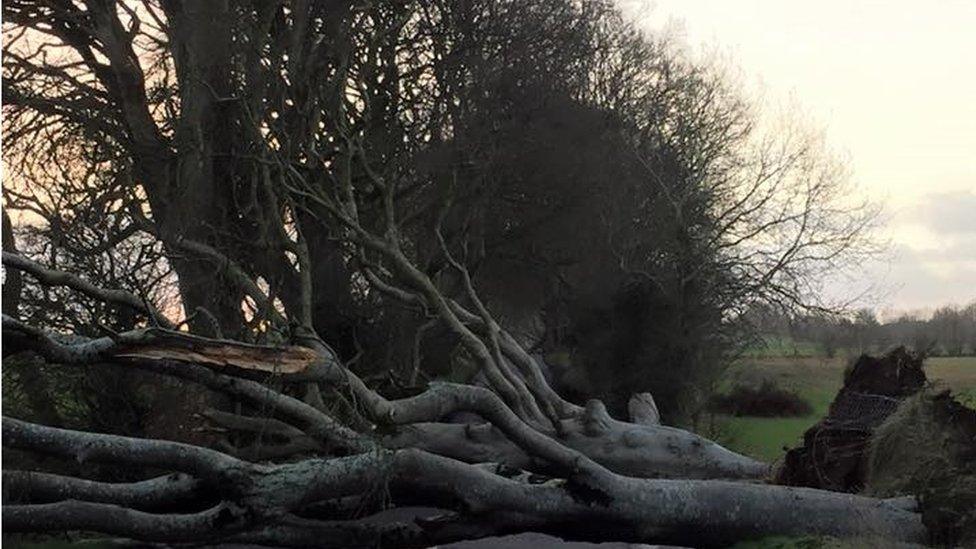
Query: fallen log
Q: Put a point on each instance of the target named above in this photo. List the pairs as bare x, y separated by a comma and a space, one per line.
256, 503
605, 474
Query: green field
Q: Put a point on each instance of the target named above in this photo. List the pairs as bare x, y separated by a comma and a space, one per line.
817, 380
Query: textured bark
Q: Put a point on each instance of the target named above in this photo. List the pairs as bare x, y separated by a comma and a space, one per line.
13, 281
165, 345
643, 409
643, 451
626, 448
160, 492
258, 502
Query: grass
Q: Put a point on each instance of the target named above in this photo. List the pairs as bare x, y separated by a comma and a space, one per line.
780, 346
817, 380
956, 373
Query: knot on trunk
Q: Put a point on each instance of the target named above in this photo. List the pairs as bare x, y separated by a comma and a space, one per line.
478, 432
643, 410
596, 420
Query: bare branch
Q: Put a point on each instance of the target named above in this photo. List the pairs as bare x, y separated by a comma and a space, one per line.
51, 277
35, 487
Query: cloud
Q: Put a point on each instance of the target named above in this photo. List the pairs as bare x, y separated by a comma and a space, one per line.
911, 279
953, 250
932, 257
948, 213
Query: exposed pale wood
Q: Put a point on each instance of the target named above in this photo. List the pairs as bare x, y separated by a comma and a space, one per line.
186, 348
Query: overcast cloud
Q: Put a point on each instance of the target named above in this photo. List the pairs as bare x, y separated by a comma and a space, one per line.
893, 83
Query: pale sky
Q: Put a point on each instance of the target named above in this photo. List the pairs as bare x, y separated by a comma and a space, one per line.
893, 84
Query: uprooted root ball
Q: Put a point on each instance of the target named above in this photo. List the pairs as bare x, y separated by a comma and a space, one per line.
927, 448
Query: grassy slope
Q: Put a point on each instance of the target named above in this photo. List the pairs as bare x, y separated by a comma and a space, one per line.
817, 380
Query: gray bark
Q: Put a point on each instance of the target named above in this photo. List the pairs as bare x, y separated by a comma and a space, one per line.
643, 409
611, 480
258, 502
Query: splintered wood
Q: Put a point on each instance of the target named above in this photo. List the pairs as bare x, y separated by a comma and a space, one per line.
166, 345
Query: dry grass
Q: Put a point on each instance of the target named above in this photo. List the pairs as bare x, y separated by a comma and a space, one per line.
926, 449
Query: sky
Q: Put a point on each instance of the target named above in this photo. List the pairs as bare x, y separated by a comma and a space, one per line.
893, 85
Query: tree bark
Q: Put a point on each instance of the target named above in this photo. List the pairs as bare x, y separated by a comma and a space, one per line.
258, 503
609, 480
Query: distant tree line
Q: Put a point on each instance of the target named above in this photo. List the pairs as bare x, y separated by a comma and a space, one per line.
949, 331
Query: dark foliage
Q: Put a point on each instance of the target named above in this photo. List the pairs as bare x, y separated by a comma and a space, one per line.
639, 339
767, 400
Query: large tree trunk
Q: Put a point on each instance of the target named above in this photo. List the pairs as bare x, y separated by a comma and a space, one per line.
596, 489
643, 451
246, 502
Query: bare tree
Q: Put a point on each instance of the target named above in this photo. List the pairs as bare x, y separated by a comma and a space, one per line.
269, 153
707, 213
949, 328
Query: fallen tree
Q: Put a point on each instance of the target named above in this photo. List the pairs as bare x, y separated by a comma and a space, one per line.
271, 161
264, 503
243, 501
628, 448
